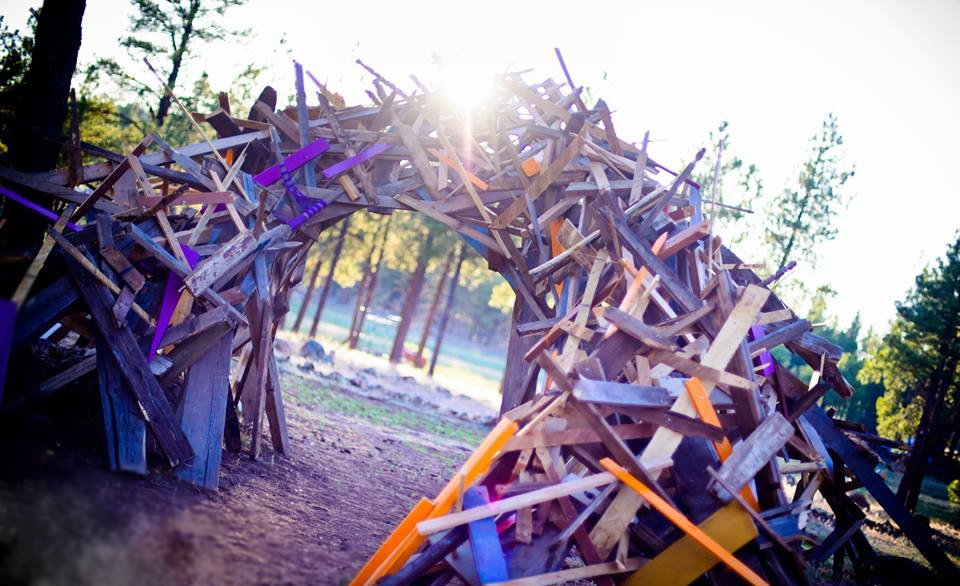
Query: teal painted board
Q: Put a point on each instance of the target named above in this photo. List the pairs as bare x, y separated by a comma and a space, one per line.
484, 540
203, 413
8, 315
126, 431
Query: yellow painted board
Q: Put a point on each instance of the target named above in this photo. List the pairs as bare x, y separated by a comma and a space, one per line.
680, 520
685, 560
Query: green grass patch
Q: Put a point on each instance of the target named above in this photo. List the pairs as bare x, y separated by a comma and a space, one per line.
934, 501
322, 398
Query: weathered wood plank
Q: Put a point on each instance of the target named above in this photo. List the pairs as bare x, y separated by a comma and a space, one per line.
203, 412
125, 350
753, 453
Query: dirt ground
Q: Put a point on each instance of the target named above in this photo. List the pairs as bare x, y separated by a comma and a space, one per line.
358, 466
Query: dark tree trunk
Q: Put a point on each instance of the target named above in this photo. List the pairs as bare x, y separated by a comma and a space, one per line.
366, 298
308, 296
179, 52
361, 295
432, 312
909, 489
328, 283
41, 110
447, 310
411, 300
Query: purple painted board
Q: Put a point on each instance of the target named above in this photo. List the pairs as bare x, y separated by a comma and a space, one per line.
484, 540
8, 314
756, 332
40, 210
171, 294
345, 164
271, 175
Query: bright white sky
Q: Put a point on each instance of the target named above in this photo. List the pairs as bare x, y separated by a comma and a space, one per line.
890, 70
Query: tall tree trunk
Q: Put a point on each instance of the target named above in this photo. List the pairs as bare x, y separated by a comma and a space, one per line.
909, 489
328, 283
308, 296
179, 51
432, 312
41, 110
411, 300
447, 310
366, 298
362, 289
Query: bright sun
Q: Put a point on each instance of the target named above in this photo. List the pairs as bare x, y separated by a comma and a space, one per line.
466, 83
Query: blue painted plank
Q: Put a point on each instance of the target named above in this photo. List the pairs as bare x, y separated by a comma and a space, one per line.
484, 540
126, 431
8, 313
203, 413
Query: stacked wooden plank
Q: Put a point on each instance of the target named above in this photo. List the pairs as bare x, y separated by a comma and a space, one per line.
639, 369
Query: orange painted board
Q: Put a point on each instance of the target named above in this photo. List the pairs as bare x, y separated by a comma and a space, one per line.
684, 524
480, 183
701, 402
706, 412
634, 289
530, 167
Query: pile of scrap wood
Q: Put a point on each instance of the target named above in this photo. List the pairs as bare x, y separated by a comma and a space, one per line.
653, 339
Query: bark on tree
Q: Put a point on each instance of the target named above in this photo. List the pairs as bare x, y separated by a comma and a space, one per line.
177, 61
447, 310
368, 289
411, 300
927, 431
328, 283
308, 296
42, 108
434, 305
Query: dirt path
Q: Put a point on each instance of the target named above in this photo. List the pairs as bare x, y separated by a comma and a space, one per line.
313, 518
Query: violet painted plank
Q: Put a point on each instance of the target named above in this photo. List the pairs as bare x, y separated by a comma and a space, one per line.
764, 358
271, 175
171, 294
353, 161
484, 540
8, 314
40, 210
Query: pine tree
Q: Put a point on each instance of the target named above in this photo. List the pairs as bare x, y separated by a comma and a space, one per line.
801, 217
918, 364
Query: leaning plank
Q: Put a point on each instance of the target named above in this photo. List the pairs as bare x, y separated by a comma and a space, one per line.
125, 429
124, 349
753, 453
203, 412
227, 256
621, 394
864, 471
484, 541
